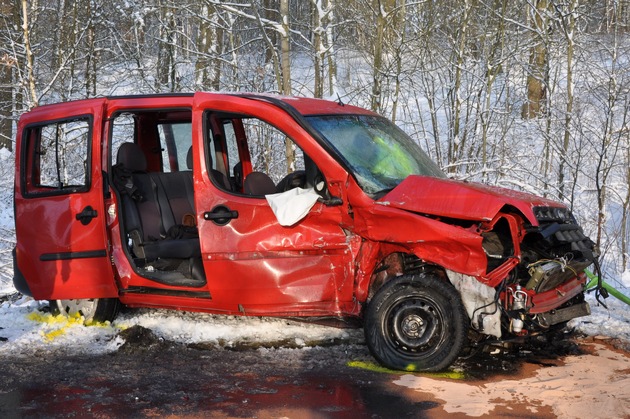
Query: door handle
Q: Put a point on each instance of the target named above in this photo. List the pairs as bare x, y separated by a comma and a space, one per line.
86, 215
220, 215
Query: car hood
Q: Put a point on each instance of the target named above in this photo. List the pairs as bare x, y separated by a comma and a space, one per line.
461, 200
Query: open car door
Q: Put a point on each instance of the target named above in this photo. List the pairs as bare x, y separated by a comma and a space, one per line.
253, 263
62, 249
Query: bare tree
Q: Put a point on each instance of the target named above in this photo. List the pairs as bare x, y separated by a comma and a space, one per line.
9, 19
567, 18
538, 60
456, 139
209, 47
28, 57
323, 46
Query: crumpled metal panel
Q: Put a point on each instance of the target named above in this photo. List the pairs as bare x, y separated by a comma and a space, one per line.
460, 200
450, 246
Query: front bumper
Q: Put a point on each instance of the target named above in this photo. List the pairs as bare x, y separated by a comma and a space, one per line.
554, 298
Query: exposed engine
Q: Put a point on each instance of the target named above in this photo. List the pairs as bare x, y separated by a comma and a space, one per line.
553, 256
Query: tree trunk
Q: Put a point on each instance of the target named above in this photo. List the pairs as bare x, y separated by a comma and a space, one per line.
7, 66
377, 54
626, 209
318, 46
569, 30
536, 86
285, 52
456, 140
30, 70
90, 62
400, 20
166, 71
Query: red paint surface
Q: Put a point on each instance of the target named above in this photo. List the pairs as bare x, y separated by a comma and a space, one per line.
321, 266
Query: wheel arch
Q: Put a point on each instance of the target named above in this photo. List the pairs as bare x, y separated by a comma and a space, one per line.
398, 263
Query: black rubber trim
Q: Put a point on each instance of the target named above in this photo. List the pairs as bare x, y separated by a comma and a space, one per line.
46, 257
171, 293
19, 282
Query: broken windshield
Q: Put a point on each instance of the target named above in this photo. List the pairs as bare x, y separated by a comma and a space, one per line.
379, 153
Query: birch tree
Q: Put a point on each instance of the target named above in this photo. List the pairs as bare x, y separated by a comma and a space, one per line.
323, 46
29, 79
9, 19
567, 19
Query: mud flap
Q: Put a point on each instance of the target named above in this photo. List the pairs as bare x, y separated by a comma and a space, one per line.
479, 301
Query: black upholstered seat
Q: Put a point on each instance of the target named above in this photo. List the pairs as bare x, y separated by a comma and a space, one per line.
258, 184
160, 202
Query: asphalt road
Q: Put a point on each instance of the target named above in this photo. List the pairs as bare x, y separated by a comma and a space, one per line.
148, 377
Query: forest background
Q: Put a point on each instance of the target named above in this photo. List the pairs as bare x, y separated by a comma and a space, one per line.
525, 94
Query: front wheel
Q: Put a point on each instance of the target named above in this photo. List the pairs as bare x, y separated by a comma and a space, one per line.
92, 309
416, 323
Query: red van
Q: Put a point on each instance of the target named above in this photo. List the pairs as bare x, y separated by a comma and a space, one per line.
262, 205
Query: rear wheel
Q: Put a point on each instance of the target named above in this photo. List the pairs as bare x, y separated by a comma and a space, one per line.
416, 323
92, 309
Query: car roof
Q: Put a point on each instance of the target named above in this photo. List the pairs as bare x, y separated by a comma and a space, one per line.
303, 105
312, 106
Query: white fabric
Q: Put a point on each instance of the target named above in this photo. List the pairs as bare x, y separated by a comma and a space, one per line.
293, 205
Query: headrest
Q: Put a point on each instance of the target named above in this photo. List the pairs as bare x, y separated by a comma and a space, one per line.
189, 159
130, 155
258, 183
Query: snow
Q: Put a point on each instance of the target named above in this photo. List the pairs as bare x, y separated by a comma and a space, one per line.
26, 328
613, 321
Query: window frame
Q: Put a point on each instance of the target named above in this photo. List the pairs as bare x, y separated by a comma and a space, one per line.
30, 162
216, 119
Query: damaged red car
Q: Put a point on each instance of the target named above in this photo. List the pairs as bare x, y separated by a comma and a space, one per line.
262, 205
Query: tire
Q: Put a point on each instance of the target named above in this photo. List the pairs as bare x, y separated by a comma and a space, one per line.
93, 309
416, 323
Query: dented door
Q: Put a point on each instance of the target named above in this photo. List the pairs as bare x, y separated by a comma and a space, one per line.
254, 264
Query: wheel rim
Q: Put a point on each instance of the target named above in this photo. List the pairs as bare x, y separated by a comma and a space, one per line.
84, 307
414, 326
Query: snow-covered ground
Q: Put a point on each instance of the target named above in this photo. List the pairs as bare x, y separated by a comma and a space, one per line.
26, 328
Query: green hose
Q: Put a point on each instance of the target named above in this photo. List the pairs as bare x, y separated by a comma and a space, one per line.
593, 281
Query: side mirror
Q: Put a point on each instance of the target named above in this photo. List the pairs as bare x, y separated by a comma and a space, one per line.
326, 198
333, 201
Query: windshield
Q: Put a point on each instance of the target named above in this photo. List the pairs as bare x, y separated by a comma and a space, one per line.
379, 153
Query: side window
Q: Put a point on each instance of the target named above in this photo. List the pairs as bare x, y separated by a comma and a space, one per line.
267, 150
58, 156
165, 143
123, 131
249, 156
175, 141
232, 146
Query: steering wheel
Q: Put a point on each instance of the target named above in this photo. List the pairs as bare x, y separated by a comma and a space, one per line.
295, 179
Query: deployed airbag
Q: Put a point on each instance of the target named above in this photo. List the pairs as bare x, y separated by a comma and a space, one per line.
293, 205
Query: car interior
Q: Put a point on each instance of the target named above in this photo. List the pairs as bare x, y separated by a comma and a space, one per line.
152, 175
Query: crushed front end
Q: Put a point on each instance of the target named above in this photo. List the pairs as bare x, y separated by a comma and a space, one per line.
546, 286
